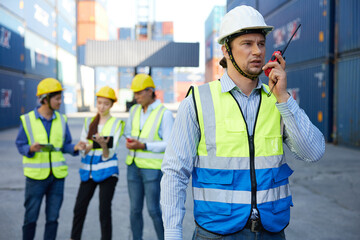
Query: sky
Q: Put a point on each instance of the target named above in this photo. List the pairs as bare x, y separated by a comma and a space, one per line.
189, 18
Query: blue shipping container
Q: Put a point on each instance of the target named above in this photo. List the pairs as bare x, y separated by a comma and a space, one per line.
66, 8
212, 23
106, 76
169, 97
348, 101
69, 99
348, 24
12, 49
312, 41
66, 35
81, 54
126, 34
40, 55
269, 6
230, 4
15, 6
312, 88
18, 96
41, 18
125, 77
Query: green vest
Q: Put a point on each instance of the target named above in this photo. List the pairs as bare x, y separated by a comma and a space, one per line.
149, 133
38, 167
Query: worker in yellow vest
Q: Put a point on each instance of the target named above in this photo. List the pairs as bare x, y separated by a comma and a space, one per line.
229, 135
42, 139
99, 164
147, 130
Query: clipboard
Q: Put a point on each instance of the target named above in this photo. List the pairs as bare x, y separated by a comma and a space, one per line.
109, 144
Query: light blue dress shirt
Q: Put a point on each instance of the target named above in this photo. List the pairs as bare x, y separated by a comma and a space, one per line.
300, 135
166, 125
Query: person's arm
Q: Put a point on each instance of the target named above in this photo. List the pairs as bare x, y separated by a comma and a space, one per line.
68, 147
22, 143
300, 135
166, 126
177, 166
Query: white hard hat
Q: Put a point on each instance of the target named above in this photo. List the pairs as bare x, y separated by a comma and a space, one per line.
239, 20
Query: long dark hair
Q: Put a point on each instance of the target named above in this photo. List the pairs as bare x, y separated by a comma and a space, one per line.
93, 128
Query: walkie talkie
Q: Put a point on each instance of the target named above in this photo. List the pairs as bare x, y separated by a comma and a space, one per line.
273, 58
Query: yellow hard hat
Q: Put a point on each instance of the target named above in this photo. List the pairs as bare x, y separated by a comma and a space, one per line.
107, 92
142, 81
48, 85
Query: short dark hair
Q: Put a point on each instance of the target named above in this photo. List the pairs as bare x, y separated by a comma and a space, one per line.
50, 95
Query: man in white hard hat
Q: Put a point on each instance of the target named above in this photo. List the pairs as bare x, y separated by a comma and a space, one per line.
228, 135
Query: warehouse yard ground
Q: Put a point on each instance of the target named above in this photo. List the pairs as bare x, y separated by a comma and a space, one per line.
325, 195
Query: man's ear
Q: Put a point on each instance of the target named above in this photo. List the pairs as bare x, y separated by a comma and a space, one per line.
225, 52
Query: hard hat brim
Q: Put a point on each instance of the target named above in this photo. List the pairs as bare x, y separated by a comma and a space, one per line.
267, 30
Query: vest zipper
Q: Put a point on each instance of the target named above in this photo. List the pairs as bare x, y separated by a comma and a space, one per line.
252, 157
252, 173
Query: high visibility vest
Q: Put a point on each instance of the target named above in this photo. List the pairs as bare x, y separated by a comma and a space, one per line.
236, 172
149, 133
92, 163
38, 167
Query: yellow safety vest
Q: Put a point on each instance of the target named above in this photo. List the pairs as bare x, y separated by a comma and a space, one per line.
38, 167
236, 172
149, 133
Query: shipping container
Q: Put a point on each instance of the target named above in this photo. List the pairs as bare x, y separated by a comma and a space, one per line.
91, 31
182, 88
40, 17
169, 97
234, 3
157, 32
312, 87
18, 96
70, 99
212, 47
125, 77
348, 17
267, 7
348, 101
40, 55
166, 37
67, 9
168, 28
106, 76
126, 34
66, 67
213, 70
312, 41
81, 54
12, 48
15, 6
125, 98
86, 95
92, 12
160, 95
66, 35
212, 23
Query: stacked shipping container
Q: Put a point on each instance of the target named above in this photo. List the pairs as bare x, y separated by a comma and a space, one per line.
213, 53
322, 64
33, 34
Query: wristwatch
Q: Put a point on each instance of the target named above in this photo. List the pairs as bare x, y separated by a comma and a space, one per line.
145, 148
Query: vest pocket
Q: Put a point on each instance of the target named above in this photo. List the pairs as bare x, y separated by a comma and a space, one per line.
273, 145
282, 205
282, 173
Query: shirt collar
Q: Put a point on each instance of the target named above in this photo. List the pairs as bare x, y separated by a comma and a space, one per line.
153, 105
38, 115
227, 84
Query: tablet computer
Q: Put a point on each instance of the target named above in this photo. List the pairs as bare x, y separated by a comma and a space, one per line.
109, 144
47, 147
